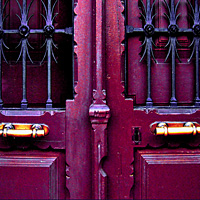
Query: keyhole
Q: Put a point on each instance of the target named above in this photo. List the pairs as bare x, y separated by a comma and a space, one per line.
136, 135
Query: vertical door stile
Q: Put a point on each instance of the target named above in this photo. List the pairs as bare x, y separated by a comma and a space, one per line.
99, 112
196, 38
126, 49
78, 128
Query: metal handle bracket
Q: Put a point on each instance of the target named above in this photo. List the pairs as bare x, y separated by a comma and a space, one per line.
23, 130
175, 128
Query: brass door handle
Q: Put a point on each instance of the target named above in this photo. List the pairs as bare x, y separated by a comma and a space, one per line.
23, 130
175, 128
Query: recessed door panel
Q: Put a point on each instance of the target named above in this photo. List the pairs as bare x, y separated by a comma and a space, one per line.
165, 174
33, 176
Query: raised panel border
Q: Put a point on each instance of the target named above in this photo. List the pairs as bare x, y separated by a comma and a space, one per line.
147, 157
50, 162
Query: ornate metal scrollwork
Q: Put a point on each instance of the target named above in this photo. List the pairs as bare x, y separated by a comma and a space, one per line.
173, 31
24, 31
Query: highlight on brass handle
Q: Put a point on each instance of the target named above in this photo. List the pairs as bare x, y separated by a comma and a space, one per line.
175, 128
23, 130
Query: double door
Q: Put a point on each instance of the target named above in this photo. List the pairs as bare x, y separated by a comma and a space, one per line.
114, 89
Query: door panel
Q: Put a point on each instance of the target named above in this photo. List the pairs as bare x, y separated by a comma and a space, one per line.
162, 77
34, 175
167, 174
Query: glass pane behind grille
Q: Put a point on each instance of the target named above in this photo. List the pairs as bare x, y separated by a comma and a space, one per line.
41, 89
157, 74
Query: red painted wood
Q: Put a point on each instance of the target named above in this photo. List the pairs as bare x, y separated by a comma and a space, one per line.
78, 127
35, 175
99, 116
27, 173
55, 121
167, 174
121, 165
101, 160
99, 112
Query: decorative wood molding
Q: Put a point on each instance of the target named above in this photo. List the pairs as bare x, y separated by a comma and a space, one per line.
120, 142
78, 137
99, 116
99, 112
22, 170
163, 161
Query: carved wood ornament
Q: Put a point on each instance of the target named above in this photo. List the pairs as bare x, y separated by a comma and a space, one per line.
78, 126
99, 112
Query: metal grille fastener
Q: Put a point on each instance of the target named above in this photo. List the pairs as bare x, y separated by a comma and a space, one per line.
49, 30
149, 30
173, 29
24, 31
196, 29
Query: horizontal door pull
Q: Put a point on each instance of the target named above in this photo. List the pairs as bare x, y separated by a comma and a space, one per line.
175, 128
23, 130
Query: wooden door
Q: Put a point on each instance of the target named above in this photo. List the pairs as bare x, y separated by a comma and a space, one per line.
36, 67
133, 92
152, 73
130, 127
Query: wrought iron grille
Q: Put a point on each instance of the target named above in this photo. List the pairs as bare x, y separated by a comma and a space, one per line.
173, 31
49, 31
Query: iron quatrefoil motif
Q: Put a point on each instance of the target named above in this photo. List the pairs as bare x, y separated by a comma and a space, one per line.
173, 29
